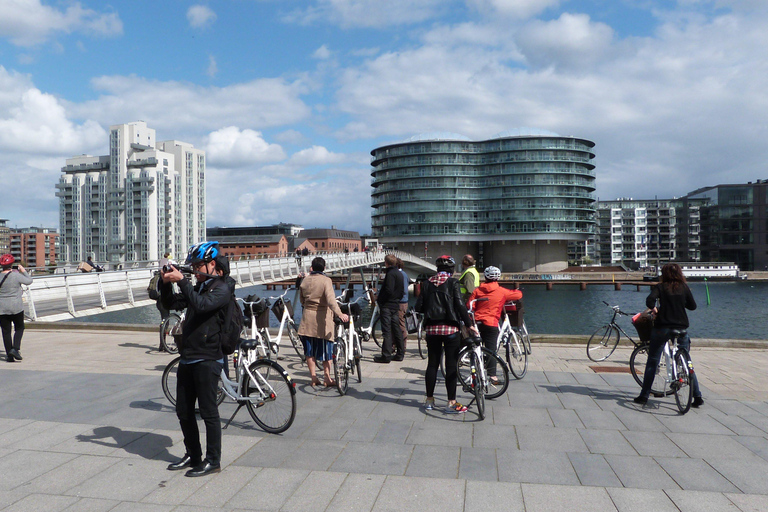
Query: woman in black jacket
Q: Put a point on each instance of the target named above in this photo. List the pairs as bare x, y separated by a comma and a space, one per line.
444, 310
674, 298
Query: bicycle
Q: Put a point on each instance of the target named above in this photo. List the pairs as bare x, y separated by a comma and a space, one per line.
605, 339
421, 337
169, 329
674, 375
347, 351
512, 339
283, 311
262, 386
254, 309
369, 333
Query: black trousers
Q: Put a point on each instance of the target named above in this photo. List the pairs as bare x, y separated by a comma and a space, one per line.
391, 332
199, 382
490, 336
435, 347
18, 325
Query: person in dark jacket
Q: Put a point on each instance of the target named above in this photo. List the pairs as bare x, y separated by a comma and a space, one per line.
393, 346
200, 351
674, 298
444, 310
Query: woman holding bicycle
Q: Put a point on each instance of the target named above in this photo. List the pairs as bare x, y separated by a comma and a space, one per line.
487, 312
444, 310
318, 304
674, 298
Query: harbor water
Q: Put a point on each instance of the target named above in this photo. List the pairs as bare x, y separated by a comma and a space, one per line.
737, 309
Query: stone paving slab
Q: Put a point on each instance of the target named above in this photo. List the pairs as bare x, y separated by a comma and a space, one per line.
95, 433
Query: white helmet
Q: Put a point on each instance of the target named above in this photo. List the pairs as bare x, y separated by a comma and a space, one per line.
492, 273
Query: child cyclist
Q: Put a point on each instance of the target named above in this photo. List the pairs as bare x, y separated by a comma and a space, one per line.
488, 312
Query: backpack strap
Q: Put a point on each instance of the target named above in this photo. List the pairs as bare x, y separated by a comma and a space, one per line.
6, 277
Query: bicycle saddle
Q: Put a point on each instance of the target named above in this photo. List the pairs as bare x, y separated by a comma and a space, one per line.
676, 333
248, 344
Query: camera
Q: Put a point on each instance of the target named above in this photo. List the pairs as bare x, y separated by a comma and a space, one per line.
181, 268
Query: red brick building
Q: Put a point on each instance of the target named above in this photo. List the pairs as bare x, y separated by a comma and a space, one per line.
332, 240
237, 247
34, 247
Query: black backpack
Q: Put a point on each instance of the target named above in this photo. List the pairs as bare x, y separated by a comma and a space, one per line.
231, 326
152, 290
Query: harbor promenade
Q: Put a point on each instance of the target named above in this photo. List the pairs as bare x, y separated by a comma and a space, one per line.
84, 426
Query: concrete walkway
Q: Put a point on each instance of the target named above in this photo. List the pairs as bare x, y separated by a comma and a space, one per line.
84, 426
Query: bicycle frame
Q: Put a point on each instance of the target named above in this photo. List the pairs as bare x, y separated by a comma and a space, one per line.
264, 347
283, 321
351, 334
670, 351
365, 332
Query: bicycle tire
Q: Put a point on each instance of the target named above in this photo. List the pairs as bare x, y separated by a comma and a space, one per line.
684, 389
602, 343
422, 341
358, 355
376, 339
637, 362
167, 341
293, 334
169, 383
517, 355
490, 359
478, 387
277, 412
340, 369
526, 337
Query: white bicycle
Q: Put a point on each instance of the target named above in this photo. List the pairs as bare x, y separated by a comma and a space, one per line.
347, 351
512, 334
369, 333
283, 311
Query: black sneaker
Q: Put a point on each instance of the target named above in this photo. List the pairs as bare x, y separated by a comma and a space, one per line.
697, 401
378, 358
642, 400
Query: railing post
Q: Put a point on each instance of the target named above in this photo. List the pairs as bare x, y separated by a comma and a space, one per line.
250, 271
31, 302
280, 264
130, 290
101, 293
70, 302
239, 278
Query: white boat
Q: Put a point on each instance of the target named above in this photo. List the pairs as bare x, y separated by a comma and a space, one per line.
710, 270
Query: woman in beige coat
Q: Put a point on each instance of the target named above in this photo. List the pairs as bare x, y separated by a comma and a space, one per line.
318, 304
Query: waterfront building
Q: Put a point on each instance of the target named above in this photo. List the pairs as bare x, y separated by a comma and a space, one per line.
333, 240
282, 228
142, 200
514, 201
648, 232
34, 247
5, 237
733, 224
251, 246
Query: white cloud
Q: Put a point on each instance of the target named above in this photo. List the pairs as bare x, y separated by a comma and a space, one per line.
200, 16
175, 105
316, 155
28, 22
367, 13
212, 67
232, 147
513, 8
322, 53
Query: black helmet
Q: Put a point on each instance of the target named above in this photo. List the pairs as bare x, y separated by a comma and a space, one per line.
445, 262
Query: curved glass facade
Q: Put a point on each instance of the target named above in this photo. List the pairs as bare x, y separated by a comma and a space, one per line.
506, 188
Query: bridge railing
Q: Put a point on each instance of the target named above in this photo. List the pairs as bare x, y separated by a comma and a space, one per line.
64, 296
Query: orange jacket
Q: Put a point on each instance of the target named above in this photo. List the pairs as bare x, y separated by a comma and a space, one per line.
488, 312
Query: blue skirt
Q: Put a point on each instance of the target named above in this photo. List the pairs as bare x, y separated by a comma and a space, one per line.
320, 349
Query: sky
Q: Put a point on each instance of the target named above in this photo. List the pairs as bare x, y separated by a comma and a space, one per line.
289, 97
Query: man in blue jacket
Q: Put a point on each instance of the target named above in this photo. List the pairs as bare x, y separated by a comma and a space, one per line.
200, 350
389, 306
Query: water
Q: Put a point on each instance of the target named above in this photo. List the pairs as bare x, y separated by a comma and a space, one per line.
737, 310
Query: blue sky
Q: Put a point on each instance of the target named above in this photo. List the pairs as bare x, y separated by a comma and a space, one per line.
288, 97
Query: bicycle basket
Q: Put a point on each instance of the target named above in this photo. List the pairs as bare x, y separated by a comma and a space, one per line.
259, 309
514, 310
643, 323
277, 308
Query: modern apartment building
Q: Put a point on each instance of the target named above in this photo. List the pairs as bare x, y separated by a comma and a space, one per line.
5, 237
640, 233
514, 201
734, 224
140, 201
35, 247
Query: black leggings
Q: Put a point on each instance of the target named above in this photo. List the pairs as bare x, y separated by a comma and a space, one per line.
435, 347
18, 324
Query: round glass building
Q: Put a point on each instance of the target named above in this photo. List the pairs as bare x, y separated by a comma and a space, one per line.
513, 201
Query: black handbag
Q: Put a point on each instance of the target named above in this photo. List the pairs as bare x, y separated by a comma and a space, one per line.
411, 321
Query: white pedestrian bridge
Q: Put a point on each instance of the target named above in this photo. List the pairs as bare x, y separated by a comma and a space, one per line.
64, 296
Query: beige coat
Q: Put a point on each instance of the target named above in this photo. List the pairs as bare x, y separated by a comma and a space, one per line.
319, 304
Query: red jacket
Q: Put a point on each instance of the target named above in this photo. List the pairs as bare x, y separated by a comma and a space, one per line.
488, 312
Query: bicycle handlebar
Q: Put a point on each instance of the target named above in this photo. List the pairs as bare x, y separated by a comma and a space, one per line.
616, 309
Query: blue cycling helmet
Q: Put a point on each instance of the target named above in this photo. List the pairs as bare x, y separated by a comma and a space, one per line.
204, 252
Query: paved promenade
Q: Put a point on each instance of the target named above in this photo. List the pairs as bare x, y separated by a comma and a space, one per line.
84, 426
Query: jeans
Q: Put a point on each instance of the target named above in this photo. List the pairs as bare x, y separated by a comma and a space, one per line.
435, 347
659, 337
199, 382
490, 336
18, 325
390, 330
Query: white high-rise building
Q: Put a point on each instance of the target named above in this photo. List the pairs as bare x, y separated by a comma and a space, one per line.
135, 204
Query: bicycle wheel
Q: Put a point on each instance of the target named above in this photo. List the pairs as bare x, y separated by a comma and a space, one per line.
477, 386
340, 368
166, 340
358, 355
293, 334
169, 380
637, 362
526, 338
376, 339
602, 343
492, 362
422, 340
682, 388
277, 409
517, 355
